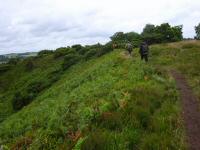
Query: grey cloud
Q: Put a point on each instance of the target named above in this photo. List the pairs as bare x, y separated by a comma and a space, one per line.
31, 25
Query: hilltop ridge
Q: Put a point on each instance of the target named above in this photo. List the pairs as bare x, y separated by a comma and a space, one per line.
111, 101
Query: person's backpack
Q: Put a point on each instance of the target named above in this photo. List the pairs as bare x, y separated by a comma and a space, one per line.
129, 46
145, 49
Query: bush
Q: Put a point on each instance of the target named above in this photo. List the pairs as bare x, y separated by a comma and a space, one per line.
77, 47
161, 33
29, 65
37, 87
4, 68
45, 52
55, 76
111, 121
70, 60
91, 53
105, 49
62, 51
27, 95
83, 50
21, 99
99, 140
197, 30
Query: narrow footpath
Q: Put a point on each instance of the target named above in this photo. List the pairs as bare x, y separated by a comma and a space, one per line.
190, 111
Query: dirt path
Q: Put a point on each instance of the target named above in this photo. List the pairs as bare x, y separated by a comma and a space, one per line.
125, 54
191, 112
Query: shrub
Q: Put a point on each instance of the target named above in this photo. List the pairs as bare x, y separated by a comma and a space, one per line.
197, 30
105, 49
37, 87
132, 137
99, 140
29, 65
161, 33
62, 51
77, 47
26, 96
118, 36
144, 118
83, 50
111, 120
4, 68
70, 60
21, 99
55, 76
91, 53
45, 52
120, 39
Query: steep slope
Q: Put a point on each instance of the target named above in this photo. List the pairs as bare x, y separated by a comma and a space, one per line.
36, 71
112, 102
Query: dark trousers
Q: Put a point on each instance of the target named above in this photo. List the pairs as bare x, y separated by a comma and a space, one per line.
145, 57
129, 51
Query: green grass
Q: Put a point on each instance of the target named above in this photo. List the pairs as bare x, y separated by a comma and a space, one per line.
111, 102
18, 79
182, 56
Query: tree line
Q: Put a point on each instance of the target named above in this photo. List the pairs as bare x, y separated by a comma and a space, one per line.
152, 34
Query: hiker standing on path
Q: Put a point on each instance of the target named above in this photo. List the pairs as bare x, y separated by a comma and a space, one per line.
144, 51
129, 47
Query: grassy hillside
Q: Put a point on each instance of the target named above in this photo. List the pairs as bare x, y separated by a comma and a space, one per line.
110, 102
183, 56
22, 76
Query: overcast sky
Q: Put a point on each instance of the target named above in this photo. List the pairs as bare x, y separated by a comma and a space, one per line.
32, 25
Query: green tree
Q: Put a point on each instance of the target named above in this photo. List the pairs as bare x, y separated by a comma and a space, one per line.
149, 29
162, 33
150, 34
131, 36
77, 47
119, 37
177, 32
197, 30
134, 38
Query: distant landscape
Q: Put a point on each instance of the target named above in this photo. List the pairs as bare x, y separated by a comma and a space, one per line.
5, 58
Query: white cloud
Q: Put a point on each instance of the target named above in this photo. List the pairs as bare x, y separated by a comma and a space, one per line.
30, 25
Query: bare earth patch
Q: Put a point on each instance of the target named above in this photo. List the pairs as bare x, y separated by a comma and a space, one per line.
190, 113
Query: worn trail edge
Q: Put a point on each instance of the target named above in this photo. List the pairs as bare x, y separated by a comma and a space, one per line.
190, 113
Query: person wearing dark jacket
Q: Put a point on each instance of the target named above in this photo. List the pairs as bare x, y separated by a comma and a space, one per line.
144, 51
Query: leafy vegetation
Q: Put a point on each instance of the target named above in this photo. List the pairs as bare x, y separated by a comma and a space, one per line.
151, 34
120, 38
62, 51
70, 60
45, 52
108, 102
79, 98
197, 30
162, 34
183, 56
4, 68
